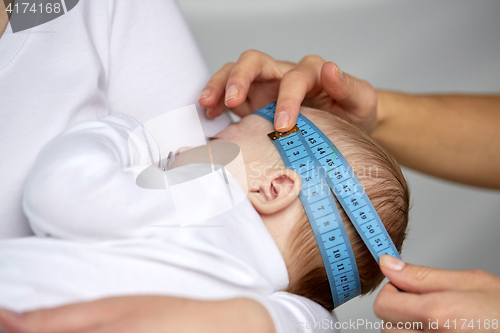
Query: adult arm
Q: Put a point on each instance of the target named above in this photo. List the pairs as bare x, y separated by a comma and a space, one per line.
280, 313
89, 166
136, 314
455, 137
92, 164
257, 79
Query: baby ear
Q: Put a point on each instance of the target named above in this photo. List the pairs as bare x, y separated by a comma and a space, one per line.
276, 191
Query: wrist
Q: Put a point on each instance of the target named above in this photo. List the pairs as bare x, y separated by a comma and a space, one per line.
385, 102
391, 105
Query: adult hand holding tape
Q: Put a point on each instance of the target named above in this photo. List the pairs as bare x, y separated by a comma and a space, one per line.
442, 300
256, 79
461, 144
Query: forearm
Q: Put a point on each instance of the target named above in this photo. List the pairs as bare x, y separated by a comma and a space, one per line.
152, 314
455, 137
241, 315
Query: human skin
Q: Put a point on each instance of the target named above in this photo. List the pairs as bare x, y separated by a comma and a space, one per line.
317, 83
144, 314
4, 18
436, 295
273, 191
454, 137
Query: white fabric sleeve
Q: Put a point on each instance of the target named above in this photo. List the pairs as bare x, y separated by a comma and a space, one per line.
293, 313
155, 64
82, 186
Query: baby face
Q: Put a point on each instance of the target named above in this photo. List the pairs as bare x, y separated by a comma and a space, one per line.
271, 188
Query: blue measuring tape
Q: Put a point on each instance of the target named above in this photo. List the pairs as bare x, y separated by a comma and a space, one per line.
324, 170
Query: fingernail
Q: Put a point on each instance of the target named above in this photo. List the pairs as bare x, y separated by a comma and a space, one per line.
391, 262
209, 112
338, 72
231, 93
9, 315
205, 93
283, 120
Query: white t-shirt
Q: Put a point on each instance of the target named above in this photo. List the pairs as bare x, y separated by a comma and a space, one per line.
102, 57
100, 235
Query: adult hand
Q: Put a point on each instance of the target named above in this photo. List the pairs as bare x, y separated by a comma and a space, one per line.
148, 314
257, 79
442, 300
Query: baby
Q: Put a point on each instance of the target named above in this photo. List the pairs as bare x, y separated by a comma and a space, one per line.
378, 172
96, 235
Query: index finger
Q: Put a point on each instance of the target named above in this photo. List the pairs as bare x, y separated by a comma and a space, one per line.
250, 66
423, 279
294, 86
213, 92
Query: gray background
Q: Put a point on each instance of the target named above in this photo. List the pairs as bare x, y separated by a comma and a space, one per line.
412, 46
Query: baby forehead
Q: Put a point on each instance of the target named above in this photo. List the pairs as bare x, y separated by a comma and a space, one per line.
318, 115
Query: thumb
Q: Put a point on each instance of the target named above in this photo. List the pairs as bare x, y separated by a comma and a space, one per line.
8, 321
422, 279
347, 90
357, 97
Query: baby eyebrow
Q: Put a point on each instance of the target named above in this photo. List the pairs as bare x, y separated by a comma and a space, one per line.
209, 138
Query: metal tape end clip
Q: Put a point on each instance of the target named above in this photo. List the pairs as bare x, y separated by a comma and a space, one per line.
276, 135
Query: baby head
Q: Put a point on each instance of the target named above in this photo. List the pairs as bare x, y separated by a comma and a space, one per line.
273, 190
